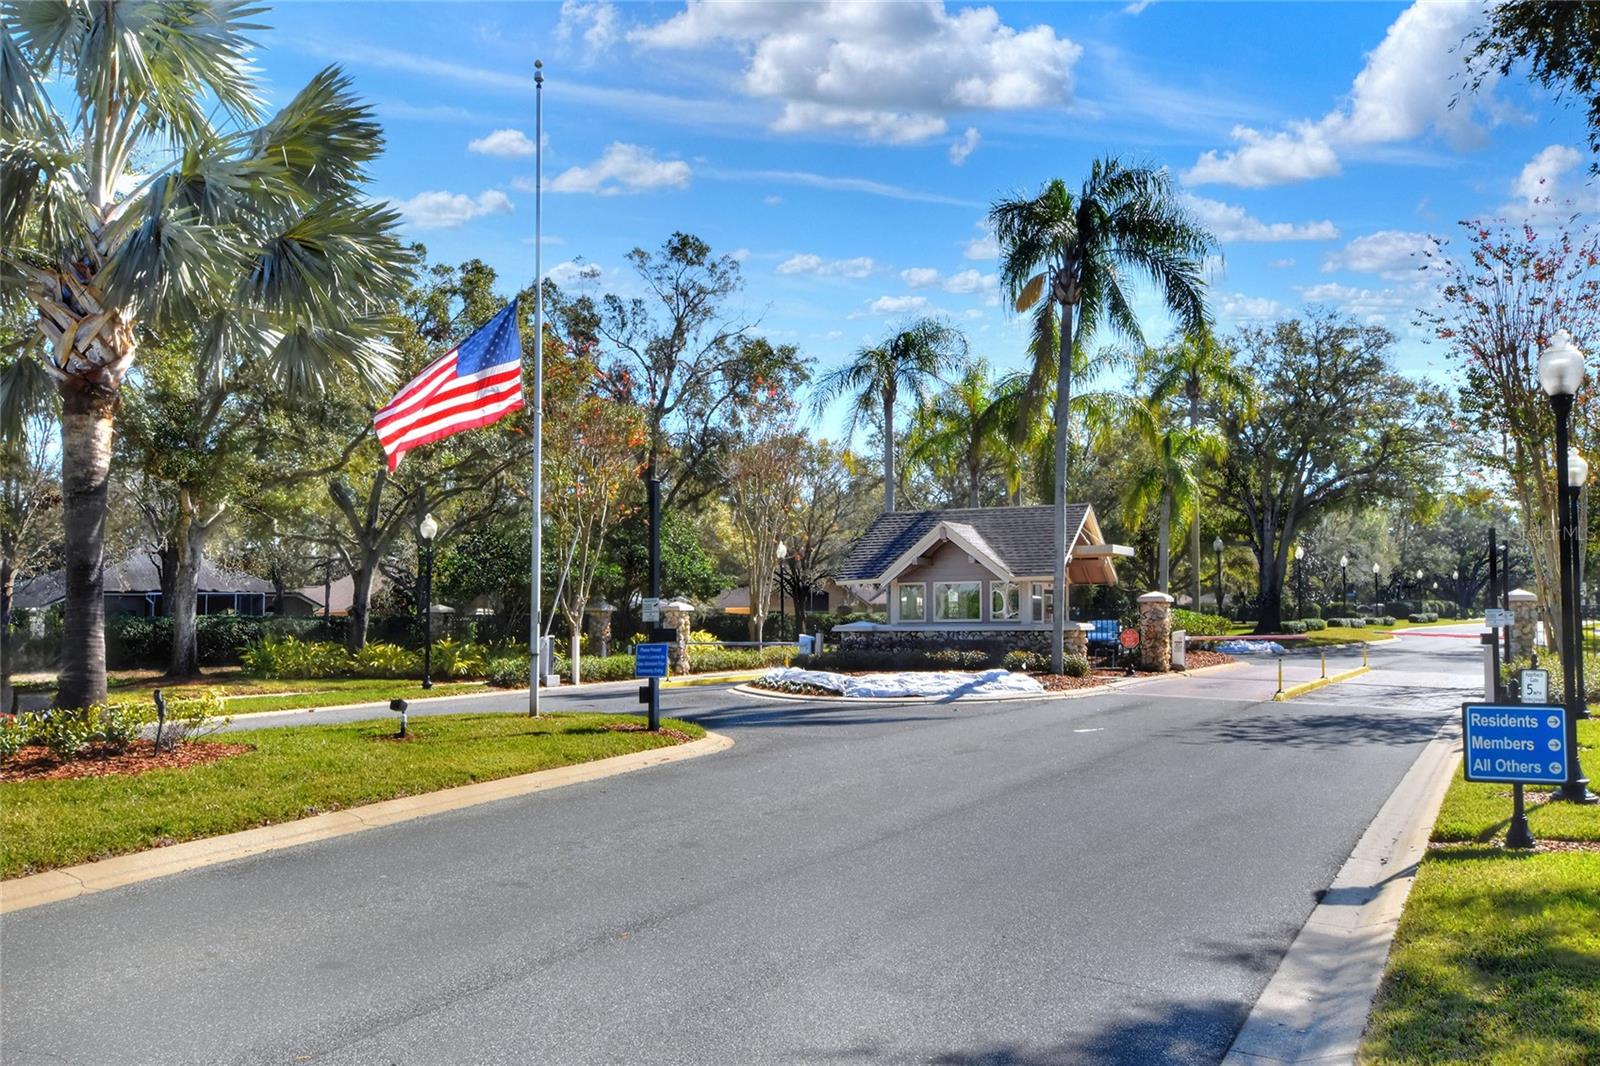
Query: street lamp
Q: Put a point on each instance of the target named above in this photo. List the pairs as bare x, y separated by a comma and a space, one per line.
783, 553
1455, 579
1217, 546
1560, 375
1419, 583
1299, 582
427, 530
1344, 582
1377, 595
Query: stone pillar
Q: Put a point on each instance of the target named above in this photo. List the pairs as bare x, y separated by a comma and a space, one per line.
1525, 618
1076, 639
678, 614
1155, 632
599, 619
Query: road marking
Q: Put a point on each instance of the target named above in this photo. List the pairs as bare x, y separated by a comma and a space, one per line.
1098, 729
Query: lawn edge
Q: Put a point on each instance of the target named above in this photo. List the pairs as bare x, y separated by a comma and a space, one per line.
1315, 1006
69, 882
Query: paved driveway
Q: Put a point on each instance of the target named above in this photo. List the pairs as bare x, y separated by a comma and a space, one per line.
1110, 879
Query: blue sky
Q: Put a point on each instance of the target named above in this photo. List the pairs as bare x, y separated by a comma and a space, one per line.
847, 152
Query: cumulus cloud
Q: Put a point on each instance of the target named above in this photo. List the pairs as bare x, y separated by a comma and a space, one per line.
1239, 307
447, 210
1542, 191
970, 281
772, 201
920, 277
507, 143
899, 305
623, 168
1391, 253
1371, 304
596, 24
983, 246
965, 145
1230, 222
1403, 91
859, 267
888, 72
574, 272
1282, 264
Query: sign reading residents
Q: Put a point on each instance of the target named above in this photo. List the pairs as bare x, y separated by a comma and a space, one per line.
1515, 742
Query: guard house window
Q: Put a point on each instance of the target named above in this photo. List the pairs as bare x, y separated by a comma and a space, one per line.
1005, 601
958, 601
1043, 603
913, 605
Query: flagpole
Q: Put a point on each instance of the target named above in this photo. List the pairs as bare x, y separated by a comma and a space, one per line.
536, 491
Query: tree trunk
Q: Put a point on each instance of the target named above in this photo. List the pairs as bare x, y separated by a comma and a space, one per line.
190, 538
8, 580
87, 426
972, 478
167, 556
1164, 544
1194, 523
888, 450
360, 595
1058, 631
575, 641
1270, 602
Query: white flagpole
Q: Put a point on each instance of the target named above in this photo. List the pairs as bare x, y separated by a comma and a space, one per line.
537, 489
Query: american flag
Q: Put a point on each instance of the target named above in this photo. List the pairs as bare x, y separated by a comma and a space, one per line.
475, 383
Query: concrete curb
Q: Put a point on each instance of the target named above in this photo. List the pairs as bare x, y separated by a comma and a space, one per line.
1315, 1007
1322, 682
52, 886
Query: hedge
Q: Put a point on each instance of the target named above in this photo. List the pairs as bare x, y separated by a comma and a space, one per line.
1197, 624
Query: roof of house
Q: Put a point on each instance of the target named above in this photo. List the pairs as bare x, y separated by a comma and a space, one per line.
341, 592
1022, 538
135, 575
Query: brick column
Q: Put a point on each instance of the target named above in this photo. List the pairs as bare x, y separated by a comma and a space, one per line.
1155, 632
1525, 616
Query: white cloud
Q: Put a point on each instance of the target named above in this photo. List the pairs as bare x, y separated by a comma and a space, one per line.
1238, 306
1282, 264
834, 182
898, 305
920, 277
623, 168
965, 145
1404, 90
1541, 188
447, 210
739, 255
1372, 304
772, 201
970, 281
597, 24
859, 267
984, 246
889, 72
574, 271
1391, 253
507, 143
1137, 7
1230, 222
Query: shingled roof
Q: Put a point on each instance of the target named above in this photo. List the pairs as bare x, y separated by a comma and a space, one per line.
1022, 538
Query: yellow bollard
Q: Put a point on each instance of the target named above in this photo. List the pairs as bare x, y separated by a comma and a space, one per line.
1363, 653
1324, 664
1280, 675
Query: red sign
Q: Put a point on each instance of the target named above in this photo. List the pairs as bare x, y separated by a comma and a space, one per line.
1130, 638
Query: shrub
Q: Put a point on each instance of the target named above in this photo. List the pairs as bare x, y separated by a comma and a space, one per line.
1025, 662
117, 725
1347, 623
13, 735
509, 672
1425, 616
1294, 627
1372, 620
1314, 625
1386, 620
281, 657
605, 668
1401, 608
1075, 665
65, 733
1310, 610
387, 660
191, 717
1197, 624
453, 658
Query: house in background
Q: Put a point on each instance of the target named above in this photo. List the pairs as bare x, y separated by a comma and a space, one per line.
980, 576
308, 600
133, 586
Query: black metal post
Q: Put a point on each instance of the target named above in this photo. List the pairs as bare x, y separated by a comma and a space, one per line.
1578, 642
1377, 594
427, 614
1344, 587
327, 594
1494, 638
653, 491
1576, 787
1219, 582
1299, 588
782, 607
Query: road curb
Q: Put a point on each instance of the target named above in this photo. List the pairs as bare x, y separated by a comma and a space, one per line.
69, 882
1322, 682
1315, 1007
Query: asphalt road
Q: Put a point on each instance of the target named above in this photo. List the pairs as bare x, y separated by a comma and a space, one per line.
1110, 879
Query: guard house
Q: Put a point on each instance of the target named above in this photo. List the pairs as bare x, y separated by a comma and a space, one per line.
981, 576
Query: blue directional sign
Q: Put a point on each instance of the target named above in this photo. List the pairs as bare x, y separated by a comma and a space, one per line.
1514, 742
650, 660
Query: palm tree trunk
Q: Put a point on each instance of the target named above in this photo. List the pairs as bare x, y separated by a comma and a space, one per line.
1058, 631
888, 450
87, 424
1194, 522
1164, 545
972, 479
8, 580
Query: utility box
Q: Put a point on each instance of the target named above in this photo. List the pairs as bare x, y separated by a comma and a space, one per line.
1179, 640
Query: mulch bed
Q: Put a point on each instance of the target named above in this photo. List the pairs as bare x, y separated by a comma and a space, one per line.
639, 727
1199, 658
36, 763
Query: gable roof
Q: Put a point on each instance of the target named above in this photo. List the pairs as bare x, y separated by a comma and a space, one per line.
1021, 538
134, 576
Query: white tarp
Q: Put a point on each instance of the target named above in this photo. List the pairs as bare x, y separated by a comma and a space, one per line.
943, 684
1248, 647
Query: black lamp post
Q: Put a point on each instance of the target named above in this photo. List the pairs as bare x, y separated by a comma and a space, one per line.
783, 553
1577, 478
427, 530
1377, 594
1560, 375
1344, 583
1299, 582
1217, 546
1419, 588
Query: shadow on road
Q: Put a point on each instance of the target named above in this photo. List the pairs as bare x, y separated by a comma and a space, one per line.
1314, 730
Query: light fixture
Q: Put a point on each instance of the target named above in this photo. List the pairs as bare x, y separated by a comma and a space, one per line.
1217, 545
1344, 560
1375, 569
1419, 573
1577, 469
429, 527
1299, 553
1560, 366
783, 550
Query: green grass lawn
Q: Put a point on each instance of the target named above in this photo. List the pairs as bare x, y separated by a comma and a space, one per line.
245, 695
1352, 635
1497, 958
292, 773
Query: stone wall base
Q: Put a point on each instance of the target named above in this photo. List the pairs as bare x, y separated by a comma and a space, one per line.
990, 640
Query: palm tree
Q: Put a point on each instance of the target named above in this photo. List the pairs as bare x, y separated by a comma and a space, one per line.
1172, 482
1081, 249
876, 375
1197, 368
255, 237
962, 427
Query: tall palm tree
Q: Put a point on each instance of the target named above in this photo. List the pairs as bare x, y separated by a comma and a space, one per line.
1199, 368
1172, 482
1078, 251
255, 237
963, 425
906, 361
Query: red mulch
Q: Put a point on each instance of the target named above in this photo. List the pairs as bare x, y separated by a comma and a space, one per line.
1199, 658
639, 727
1063, 682
35, 763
